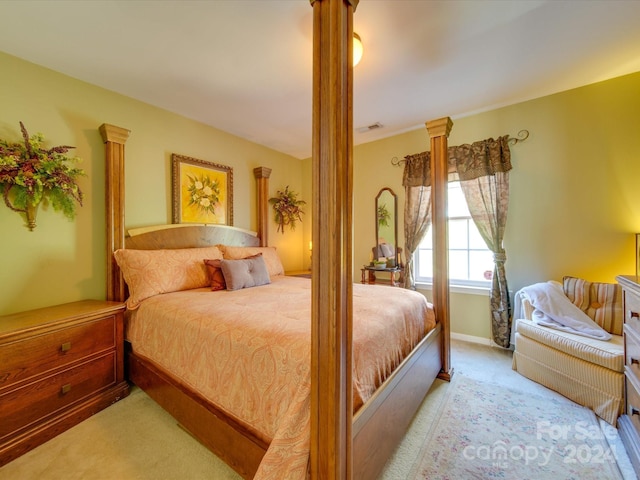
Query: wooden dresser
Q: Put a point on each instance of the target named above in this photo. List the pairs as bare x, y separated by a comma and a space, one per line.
58, 366
629, 422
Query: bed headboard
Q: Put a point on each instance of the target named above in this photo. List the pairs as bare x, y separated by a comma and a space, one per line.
189, 236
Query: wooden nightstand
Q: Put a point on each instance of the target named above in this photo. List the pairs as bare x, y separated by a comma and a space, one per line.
299, 273
369, 275
58, 366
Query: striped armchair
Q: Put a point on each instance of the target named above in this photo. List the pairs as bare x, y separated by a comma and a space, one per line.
590, 372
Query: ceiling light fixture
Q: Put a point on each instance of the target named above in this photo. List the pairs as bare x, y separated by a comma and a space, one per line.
357, 49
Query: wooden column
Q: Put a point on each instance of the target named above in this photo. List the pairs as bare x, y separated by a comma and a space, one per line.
262, 177
438, 133
331, 356
114, 139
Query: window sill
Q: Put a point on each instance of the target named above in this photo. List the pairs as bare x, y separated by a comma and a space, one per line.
485, 291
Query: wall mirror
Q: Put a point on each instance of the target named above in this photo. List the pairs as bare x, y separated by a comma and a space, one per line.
386, 246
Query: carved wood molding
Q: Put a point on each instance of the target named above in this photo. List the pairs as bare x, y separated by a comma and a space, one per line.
114, 139
262, 177
332, 186
438, 132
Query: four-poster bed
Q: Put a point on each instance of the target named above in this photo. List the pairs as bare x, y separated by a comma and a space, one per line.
341, 445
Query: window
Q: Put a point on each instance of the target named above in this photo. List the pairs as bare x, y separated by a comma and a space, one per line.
470, 261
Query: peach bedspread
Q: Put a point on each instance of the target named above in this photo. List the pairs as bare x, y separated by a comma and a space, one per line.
248, 351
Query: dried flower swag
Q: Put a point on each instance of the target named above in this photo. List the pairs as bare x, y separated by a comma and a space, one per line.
287, 208
30, 174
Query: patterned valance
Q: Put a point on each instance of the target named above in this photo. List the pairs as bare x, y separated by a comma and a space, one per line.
469, 161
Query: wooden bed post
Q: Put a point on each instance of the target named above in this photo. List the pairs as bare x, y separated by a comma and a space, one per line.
331, 286
262, 178
438, 133
114, 139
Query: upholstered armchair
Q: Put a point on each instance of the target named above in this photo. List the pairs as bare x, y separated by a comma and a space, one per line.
589, 371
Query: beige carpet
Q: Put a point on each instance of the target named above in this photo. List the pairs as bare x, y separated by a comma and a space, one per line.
136, 440
133, 439
490, 431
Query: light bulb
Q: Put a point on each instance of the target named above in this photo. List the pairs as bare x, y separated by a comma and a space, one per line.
357, 49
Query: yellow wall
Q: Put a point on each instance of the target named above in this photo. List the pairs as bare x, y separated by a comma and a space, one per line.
62, 260
574, 203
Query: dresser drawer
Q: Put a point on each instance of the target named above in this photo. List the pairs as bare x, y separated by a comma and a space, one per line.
33, 401
632, 309
632, 351
23, 359
633, 401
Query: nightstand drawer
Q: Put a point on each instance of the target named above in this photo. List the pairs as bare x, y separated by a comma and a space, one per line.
23, 359
33, 401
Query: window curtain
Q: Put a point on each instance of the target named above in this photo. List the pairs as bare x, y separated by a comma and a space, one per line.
416, 180
483, 170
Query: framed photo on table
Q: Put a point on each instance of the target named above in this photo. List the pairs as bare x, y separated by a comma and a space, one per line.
202, 191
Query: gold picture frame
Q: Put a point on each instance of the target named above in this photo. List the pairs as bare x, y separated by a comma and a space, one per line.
202, 191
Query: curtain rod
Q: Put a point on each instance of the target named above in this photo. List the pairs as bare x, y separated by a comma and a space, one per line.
521, 137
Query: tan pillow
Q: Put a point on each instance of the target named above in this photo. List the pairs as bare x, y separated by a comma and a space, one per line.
602, 302
151, 272
216, 278
245, 273
270, 255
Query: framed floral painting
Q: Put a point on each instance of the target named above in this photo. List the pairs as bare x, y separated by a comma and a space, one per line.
202, 191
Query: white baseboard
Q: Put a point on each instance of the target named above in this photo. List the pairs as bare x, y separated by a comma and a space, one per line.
470, 338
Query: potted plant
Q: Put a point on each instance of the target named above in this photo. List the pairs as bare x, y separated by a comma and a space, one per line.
287, 208
31, 174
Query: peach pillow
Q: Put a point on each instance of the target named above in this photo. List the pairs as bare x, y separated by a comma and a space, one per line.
270, 255
152, 272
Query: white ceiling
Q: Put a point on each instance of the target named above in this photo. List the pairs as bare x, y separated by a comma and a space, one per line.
244, 66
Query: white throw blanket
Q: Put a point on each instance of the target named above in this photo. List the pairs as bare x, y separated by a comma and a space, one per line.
553, 309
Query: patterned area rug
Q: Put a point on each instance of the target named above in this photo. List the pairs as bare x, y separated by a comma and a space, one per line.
486, 432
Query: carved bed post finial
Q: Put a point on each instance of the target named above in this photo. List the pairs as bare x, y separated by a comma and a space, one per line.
262, 177
114, 139
439, 132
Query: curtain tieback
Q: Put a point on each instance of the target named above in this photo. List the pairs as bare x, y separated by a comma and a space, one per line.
499, 257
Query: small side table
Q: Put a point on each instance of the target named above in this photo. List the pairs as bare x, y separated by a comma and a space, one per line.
369, 275
299, 273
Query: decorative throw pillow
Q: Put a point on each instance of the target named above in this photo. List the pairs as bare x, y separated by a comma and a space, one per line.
152, 272
216, 278
270, 255
602, 302
245, 273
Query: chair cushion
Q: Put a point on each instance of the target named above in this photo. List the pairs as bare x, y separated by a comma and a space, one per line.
602, 302
609, 354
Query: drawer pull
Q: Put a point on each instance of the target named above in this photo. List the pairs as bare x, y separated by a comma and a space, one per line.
631, 314
67, 388
65, 347
634, 360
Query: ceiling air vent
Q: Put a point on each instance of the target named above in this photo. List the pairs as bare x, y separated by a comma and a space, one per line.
369, 128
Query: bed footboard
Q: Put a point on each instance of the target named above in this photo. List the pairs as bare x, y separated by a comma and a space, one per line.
382, 422
230, 441
378, 427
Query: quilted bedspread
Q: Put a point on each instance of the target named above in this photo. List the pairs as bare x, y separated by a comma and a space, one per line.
248, 351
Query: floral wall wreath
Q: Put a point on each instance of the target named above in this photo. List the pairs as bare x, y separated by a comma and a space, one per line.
287, 208
31, 175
